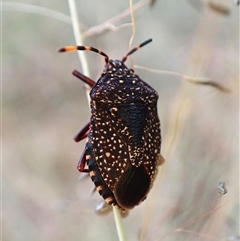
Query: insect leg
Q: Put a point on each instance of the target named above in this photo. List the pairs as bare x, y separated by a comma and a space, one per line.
82, 133
82, 162
84, 78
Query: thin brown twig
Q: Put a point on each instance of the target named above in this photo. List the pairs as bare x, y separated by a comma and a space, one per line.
98, 29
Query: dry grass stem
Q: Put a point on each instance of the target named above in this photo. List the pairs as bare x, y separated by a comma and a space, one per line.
190, 79
99, 29
34, 9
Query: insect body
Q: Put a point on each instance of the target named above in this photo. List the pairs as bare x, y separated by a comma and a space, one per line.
123, 135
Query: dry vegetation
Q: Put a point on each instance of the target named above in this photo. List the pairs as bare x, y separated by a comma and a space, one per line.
43, 107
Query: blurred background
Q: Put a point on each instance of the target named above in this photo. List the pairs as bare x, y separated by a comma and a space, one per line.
44, 196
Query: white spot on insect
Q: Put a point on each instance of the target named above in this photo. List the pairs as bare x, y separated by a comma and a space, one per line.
121, 81
108, 154
119, 98
114, 109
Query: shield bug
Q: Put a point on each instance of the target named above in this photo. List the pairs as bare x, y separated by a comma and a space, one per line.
123, 135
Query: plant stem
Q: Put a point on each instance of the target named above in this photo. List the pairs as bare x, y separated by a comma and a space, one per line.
133, 23
85, 70
118, 223
77, 35
79, 40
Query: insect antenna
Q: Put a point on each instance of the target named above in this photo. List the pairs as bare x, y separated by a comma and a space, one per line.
135, 49
89, 48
